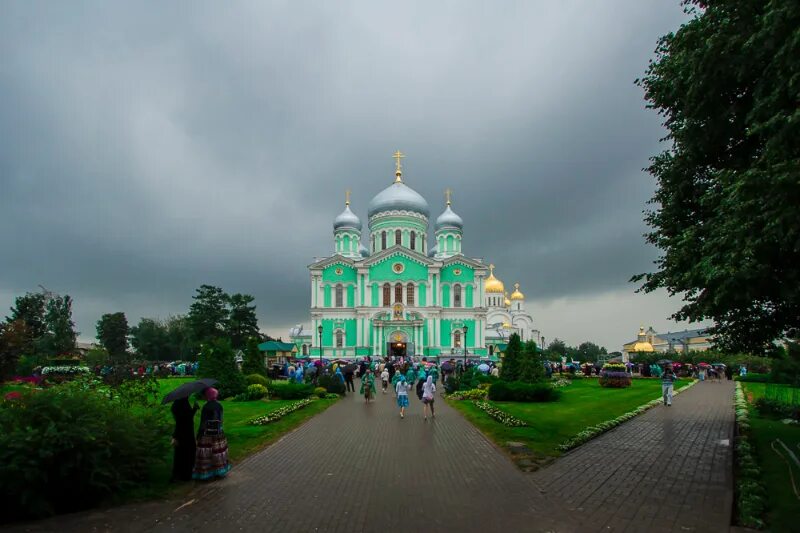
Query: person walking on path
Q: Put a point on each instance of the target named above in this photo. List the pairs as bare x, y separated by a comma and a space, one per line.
384, 380
428, 395
395, 380
368, 386
349, 370
402, 389
419, 385
411, 375
183, 440
667, 383
211, 459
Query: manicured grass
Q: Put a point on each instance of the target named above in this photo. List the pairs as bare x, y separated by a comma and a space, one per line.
583, 403
783, 508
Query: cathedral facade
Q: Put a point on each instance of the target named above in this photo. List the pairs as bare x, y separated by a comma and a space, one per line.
387, 293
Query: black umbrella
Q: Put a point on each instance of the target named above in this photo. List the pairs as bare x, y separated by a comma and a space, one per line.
350, 367
447, 367
663, 362
187, 389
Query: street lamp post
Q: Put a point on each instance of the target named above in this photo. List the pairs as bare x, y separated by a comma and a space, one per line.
319, 332
465, 347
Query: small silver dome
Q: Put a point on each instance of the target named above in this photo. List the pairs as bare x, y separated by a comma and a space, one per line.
347, 219
363, 251
398, 197
449, 219
432, 251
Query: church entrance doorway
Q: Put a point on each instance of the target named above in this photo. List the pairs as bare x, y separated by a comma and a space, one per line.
397, 349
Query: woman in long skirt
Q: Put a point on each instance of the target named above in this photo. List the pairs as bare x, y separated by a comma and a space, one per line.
368, 386
211, 460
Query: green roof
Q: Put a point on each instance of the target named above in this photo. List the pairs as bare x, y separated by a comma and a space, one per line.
276, 346
502, 347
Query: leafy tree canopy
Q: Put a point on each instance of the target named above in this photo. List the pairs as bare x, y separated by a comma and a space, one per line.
242, 322
725, 212
112, 332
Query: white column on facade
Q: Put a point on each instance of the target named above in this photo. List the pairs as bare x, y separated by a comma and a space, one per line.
313, 291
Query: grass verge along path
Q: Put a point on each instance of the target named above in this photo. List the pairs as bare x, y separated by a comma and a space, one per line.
584, 403
783, 507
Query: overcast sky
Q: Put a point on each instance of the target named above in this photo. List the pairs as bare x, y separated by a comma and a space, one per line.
148, 148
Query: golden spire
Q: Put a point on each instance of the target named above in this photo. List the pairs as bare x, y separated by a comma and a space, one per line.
398, 171
347, 197
447, 194
491, 269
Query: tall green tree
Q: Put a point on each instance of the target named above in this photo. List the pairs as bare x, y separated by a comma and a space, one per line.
150, 339
217, 361
112, 332
179, 338
60, 335
512, 359
15, 341
31, 309
242, 323
208, 314
589, 351
531, 367
725, 209
253, 359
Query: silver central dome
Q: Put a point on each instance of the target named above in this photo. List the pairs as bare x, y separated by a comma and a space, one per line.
449, 219
347, 219
398, 197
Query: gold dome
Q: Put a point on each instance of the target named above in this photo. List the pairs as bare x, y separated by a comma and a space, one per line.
493, 284
507, 301
516, 295
506, 325
641, 344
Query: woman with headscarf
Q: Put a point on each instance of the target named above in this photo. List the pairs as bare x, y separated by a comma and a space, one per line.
211, 460
338, 374
298, 374
428, 390
395, 380
183, 440
368, 385
402, 389
411, 375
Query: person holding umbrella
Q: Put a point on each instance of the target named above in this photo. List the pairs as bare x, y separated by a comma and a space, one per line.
183, 440
667, 383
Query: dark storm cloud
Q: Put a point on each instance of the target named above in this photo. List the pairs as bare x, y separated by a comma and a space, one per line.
147, 149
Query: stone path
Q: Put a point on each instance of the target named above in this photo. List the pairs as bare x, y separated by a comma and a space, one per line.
361, 468
669, 469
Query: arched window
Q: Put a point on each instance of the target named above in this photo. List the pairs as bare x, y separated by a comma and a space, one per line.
339, 295
398, 293
457, 339
491, 350
373, 243
398, 236
410, 292
339, 338
456, 295
387, 295
413, 240
305, 349
383, 240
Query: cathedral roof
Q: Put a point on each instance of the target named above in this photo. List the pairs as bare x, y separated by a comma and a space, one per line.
517, 295
449, 219
493, 284
347, 219
398, 197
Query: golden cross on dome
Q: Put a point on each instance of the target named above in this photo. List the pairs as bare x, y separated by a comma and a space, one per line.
491, 270
398, 155
447, 194
347, 197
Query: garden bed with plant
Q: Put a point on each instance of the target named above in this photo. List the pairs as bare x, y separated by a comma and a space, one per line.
767, 476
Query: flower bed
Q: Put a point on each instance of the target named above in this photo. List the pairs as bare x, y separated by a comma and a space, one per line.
561, 382
70, 370
750, 493
597, 430
277, 414
499, 415
472, 394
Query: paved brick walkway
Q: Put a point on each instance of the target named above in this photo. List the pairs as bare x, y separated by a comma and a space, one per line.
361, 468
669, 469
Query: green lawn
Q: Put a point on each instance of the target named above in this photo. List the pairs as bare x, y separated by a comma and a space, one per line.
783, 508
583, 403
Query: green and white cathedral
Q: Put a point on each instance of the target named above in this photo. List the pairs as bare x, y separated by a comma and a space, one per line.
396, 296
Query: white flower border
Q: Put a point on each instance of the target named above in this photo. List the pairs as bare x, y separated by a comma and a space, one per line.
499, 415
279, 413
66, 369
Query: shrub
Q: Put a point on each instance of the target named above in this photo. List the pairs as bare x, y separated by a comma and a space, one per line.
217, 362
773, 407
320, 392
618, 380
87, 447
518, 391
257, 379
472, 394
292, 391
253, 392
753, 377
